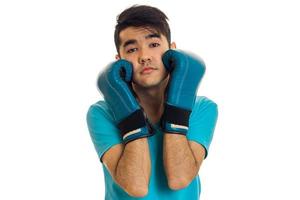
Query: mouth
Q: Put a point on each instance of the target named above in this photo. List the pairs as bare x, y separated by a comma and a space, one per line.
147, 70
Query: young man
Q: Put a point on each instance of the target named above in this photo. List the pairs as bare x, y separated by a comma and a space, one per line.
152, 132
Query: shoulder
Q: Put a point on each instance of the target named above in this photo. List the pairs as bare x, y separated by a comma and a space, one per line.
202, 103
203, 121
204, 107
102, 127
100, 109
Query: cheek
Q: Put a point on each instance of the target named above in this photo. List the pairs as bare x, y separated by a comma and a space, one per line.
134, 68
165, 73
135, 72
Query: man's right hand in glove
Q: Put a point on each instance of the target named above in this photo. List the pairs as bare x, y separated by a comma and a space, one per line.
115, 85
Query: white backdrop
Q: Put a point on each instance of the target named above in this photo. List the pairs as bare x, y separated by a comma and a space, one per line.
52, 51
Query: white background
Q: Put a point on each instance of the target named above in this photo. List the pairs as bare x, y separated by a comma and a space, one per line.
52, 51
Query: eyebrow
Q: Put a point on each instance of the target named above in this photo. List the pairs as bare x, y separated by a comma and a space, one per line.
133, 41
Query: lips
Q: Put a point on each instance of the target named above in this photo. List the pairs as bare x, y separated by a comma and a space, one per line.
147, 70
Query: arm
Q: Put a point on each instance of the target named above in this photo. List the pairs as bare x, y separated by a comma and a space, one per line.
182, 159
130, 166
181, 166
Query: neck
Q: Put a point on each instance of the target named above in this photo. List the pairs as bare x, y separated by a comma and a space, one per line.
152, 100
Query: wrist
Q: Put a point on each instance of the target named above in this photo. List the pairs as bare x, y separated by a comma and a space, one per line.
134, 126
175, 120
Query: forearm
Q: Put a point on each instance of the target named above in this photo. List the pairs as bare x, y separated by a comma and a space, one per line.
180, 163
133, 169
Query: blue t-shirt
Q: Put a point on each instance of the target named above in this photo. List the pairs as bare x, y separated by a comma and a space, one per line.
104, 134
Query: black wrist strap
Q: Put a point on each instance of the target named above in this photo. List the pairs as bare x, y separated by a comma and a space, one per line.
132, 122
175, 115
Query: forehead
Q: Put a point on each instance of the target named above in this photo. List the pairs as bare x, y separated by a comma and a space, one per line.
137, 33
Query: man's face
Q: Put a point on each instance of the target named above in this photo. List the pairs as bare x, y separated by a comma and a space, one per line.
144, 49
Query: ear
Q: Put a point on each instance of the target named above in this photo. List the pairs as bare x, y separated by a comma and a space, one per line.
173, 45
117, 57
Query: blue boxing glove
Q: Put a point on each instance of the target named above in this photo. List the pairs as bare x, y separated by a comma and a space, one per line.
186, 71
114, 84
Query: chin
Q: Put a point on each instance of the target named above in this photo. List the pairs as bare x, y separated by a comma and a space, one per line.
151, 84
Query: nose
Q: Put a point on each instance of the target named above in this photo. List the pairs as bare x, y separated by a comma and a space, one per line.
144, 57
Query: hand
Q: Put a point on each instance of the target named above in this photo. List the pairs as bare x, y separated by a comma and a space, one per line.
115, 85
186, 72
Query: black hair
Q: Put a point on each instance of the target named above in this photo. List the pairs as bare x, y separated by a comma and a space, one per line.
142, 16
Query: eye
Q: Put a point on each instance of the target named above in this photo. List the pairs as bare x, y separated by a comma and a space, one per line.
154, 45
131, 50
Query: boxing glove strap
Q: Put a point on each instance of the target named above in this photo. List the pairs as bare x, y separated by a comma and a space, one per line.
133, 124
175, 120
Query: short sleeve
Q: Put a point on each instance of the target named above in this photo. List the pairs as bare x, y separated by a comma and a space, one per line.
102, 128
202, 122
